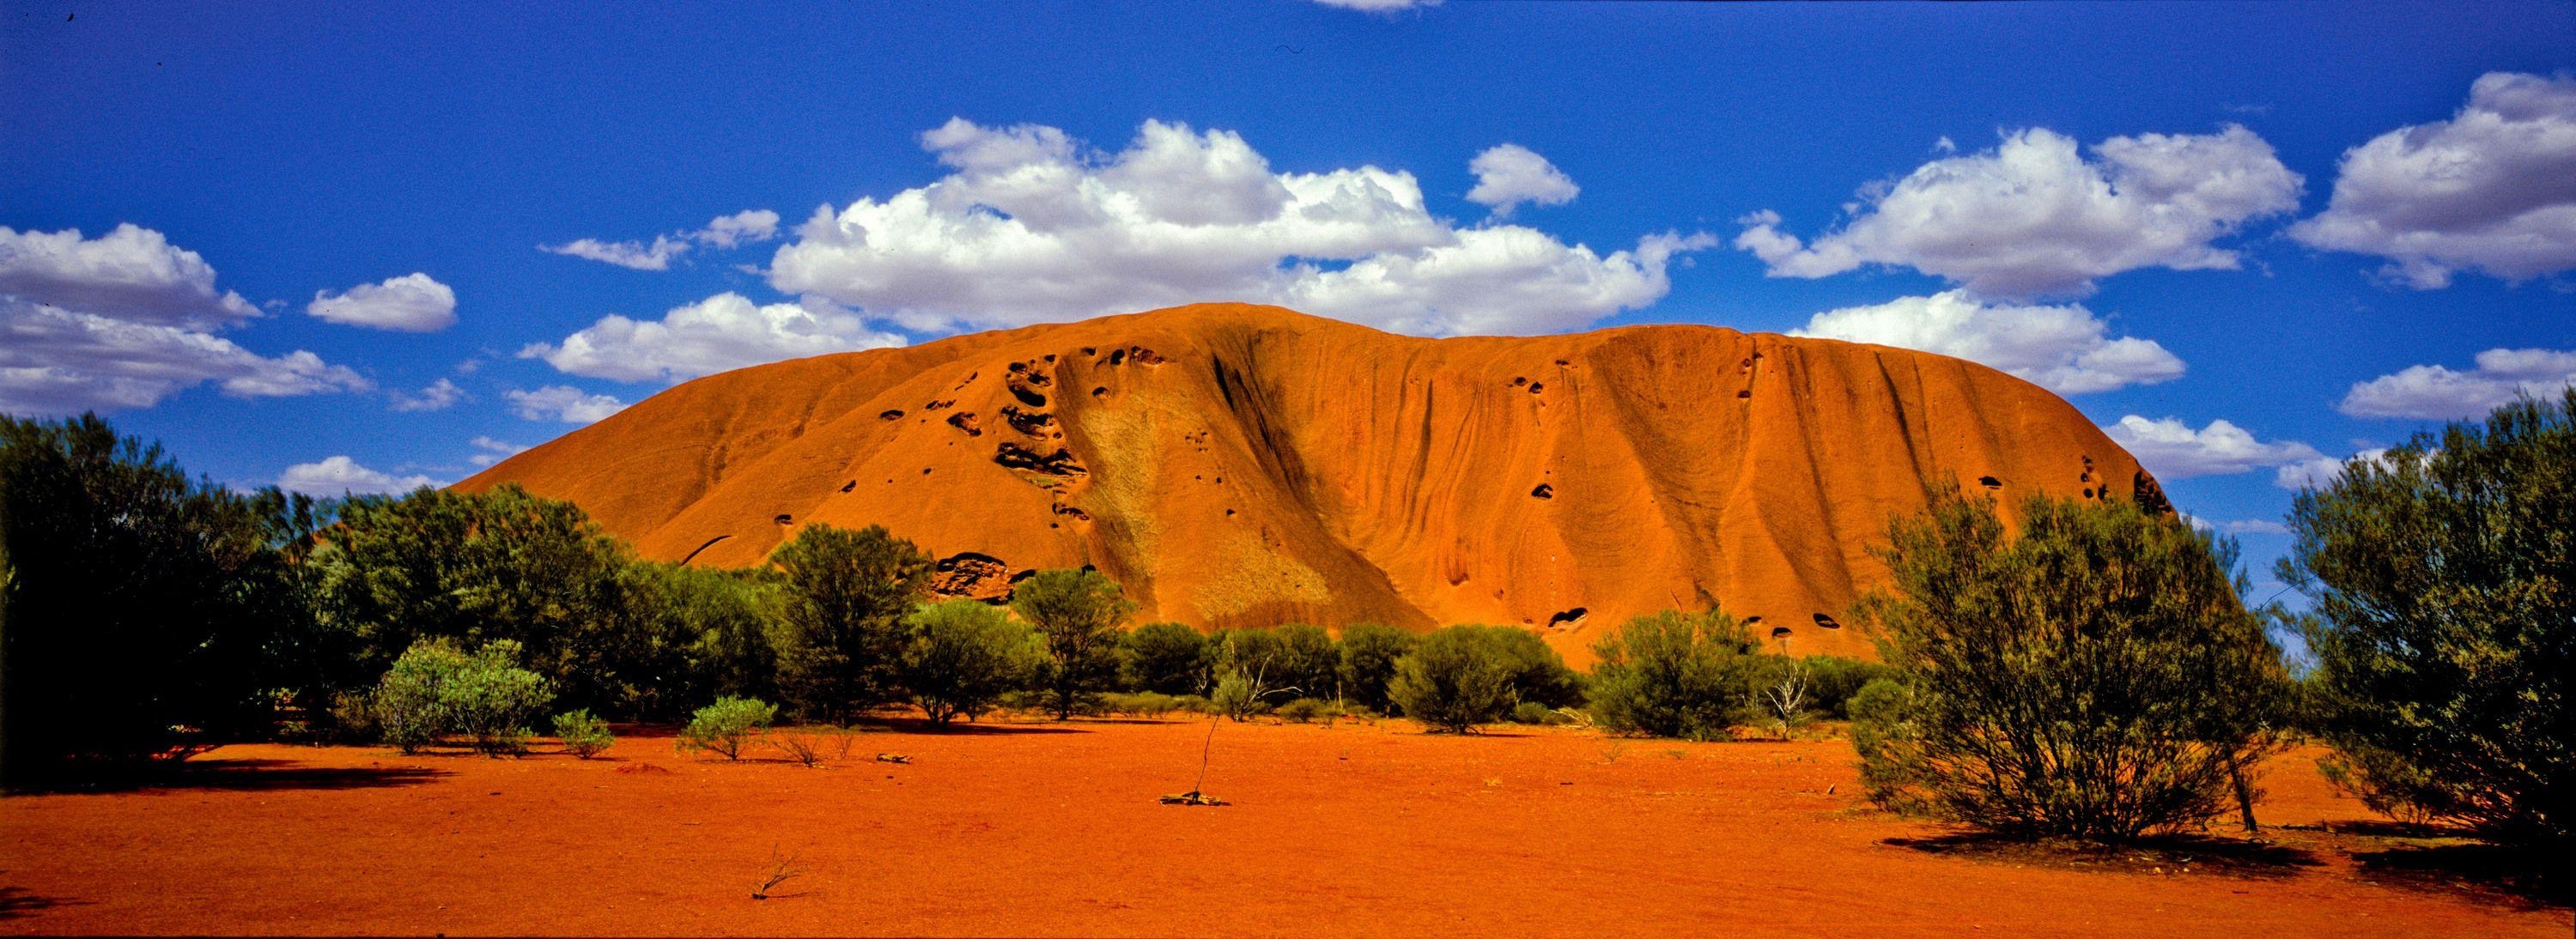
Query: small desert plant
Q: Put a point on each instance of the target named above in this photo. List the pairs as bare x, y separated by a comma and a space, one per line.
1147, 704
727, 726
1532, 712
781, 870
1238, 695
1308, 710
1788, 697
812, 747
583, 736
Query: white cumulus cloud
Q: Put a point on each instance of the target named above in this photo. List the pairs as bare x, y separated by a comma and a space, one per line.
412, 303
725, 331
2493, 189
2433, 391
489, 451
1511, 174
2065, 349
1029, 227
340, 475
2034, 217
2322, 471
724, 232
437, 396
133, 274
562, 403
2170, 449
125, 320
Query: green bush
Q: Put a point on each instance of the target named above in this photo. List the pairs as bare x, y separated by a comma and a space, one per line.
1459, 677
1369, 652
1308, 664
2443, 576
1238, 696
434, 690
1165, 657
1146, 704
2097, 677
727, 726
964, 656
1834, 679
1884, 738
1674, 674
1532, 712
1308, 710
583, 736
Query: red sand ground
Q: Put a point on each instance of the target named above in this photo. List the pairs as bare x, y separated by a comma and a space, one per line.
1042, 829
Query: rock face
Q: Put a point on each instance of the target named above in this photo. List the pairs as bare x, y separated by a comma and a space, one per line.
1241, 465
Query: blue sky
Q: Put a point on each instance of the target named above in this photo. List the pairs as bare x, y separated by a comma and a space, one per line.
2137, 204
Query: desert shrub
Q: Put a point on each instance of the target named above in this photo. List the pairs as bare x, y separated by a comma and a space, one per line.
2097, 677
1078, 612
1832, 680
1532, 712
812, 747
1884, 738
1308, 664
1194, 704
434, 690
727, 726
2443, 581
1238, 695
1168, 658
583, 736
1147, 704
963, 656
1674, 674
1369, 652
1308, 710
1459, 677
1785, 695
841, 644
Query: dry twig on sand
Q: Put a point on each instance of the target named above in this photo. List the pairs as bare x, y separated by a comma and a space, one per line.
780, 871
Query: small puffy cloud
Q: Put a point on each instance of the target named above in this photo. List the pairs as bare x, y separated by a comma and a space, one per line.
2034, 217
2170, 449
412, 303
1030, 228
2320, 471
563, 403
2493, 189
2065, 349
724, 232
488, 451
438, 396
340, 475
722, 332
2436, 392
125, 320
132, 274
1511, 174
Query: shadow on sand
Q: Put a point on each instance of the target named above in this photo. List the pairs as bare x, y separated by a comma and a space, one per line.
17, 903
240, 775
2188, 854
2529, 876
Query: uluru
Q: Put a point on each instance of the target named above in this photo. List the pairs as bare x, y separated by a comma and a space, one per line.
1239, 465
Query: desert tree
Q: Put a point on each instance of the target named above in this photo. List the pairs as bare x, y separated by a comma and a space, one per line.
1673, 674
2097, 676
963, 656
1078, 613
1166, 658
145, 609
436, 689
843, 634
2443, 581
1369, 652
1308, 661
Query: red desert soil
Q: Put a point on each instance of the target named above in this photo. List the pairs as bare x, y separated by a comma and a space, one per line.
1045, 829
1241, 465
